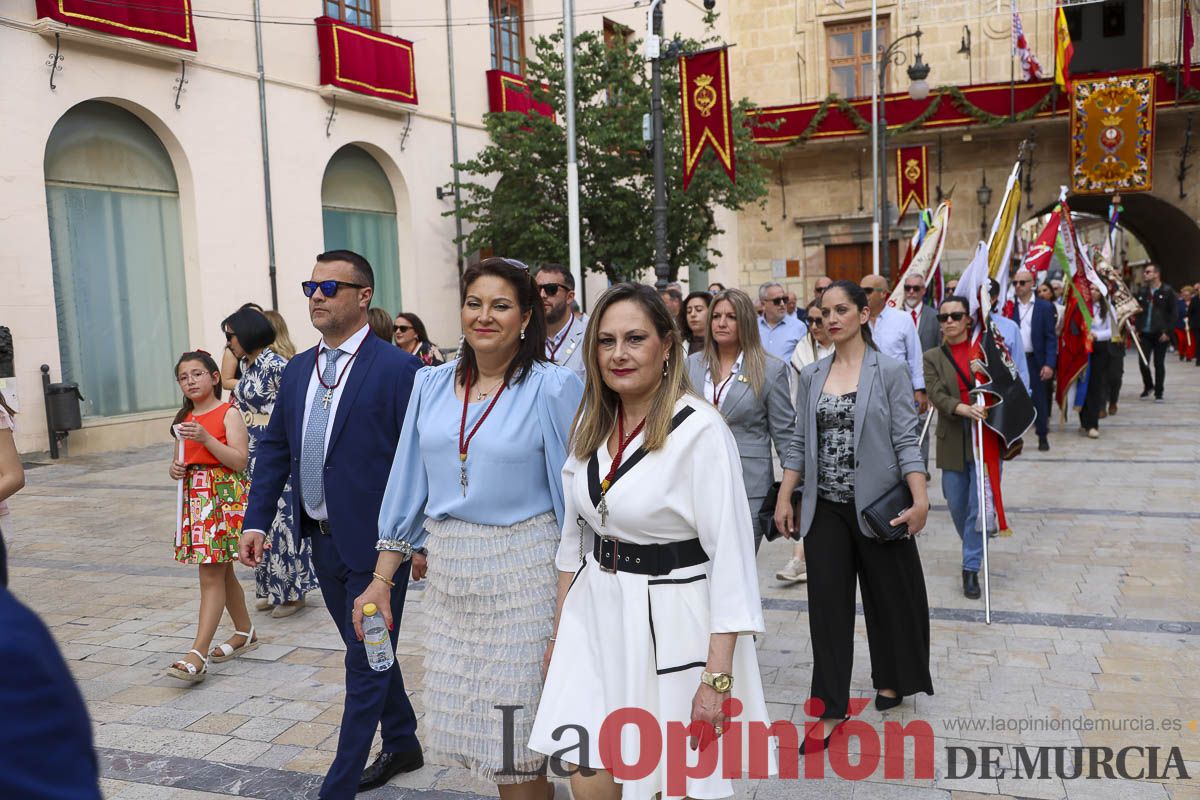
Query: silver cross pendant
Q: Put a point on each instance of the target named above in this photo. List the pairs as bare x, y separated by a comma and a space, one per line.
327, 399
462, 479
603, 509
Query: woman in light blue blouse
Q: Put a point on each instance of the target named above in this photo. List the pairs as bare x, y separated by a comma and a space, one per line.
475, 499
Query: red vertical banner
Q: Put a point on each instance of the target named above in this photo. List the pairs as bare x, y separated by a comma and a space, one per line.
707, 111
912, 178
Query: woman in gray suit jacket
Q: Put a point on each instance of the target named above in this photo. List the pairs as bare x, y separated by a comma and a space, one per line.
750, 389
855, 439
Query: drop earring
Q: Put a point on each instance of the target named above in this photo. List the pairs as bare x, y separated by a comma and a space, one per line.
522, 334
666, 362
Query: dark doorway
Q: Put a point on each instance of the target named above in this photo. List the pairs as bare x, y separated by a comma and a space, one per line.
1107, 36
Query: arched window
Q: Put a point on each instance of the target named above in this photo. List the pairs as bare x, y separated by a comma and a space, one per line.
117, 258
358, 211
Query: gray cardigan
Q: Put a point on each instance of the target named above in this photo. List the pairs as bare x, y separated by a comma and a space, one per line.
885, 432
755, 421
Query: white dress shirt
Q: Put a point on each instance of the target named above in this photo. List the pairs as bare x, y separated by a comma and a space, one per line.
344, 364
1101, 328
1025, 317
710, 389
896, 336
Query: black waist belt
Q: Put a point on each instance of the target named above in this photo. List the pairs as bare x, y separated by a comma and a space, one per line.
646, 559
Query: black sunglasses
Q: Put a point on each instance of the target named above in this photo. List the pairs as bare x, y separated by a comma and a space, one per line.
908, 289
402, 328
1021, 283
551, 289
820, 289
328, 288
868, 289
816, 321
777, 300
957, 316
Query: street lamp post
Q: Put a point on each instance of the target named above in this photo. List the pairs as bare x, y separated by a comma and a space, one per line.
918, 90
984, 196
662, 265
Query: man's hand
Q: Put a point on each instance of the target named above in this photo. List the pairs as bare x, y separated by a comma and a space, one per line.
1162, 337
1046, 374
251, 548
922, 401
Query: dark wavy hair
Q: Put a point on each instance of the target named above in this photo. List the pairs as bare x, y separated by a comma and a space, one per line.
682, 322
532, 349
859, 298
210, 366
418, 326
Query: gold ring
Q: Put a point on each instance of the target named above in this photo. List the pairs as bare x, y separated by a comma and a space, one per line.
719, 730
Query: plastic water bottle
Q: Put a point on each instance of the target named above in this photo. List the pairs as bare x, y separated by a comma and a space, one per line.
376, 639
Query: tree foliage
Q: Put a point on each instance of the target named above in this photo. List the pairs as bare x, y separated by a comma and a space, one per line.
515, 189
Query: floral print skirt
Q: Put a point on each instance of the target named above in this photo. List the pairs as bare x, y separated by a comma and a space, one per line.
286, 572
214, 503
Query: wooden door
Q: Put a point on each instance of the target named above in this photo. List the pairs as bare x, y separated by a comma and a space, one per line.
850, 262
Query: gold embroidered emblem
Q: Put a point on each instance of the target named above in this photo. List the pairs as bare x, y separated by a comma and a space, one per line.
705, 96
912, 170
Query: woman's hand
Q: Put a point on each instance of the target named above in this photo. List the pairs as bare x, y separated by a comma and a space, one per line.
785, 516
177, 470
380, 594
706, 707
914, 517
971, 412
194, 432
420, 566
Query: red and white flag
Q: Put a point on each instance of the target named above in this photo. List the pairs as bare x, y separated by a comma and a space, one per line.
1031, 69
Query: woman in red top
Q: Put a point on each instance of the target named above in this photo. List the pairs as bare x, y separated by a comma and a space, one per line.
215, 447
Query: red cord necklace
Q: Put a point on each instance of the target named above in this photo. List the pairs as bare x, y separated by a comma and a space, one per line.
622, 443
327, 398
720, 390
553, 351
464, 438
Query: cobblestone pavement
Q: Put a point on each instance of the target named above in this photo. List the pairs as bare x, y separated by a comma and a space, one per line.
1097, 623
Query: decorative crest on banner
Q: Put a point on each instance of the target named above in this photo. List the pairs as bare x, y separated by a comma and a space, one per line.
707, 113
912, 177
1112, 134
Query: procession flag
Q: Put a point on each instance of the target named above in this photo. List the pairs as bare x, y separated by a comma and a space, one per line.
925, 251
1075, 341
1037, 260
912, 178
1031, 68
1189, 39
1063, 50
1004, 231
707, 113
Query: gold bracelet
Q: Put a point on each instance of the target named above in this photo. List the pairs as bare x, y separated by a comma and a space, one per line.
391, 584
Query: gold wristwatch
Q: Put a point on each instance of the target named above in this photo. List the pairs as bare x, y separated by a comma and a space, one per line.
721, 681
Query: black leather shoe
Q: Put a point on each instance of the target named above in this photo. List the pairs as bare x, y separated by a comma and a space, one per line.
971, 585
1043, 444
389, 765
883, 702
815, 744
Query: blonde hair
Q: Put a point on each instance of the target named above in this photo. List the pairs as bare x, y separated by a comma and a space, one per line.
283, 342
597, 415
754, 357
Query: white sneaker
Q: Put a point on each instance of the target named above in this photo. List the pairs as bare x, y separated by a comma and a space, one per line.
794, 572
1093, 433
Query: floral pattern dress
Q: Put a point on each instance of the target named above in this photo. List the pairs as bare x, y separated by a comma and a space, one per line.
286, 573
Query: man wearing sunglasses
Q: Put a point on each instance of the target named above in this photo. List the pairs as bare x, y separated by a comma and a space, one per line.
334, 433
1036, 319
928, 331
564, 331
779, 330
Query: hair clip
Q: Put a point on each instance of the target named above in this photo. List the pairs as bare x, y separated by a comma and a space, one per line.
512, 262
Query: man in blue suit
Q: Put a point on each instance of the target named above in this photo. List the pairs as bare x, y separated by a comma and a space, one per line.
1036, 319
334, 431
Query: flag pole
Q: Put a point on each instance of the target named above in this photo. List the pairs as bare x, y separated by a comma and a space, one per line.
1136, 342
925, 427
179, 494
982, 515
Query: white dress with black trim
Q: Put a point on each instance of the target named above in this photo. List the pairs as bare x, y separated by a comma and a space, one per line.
638, 641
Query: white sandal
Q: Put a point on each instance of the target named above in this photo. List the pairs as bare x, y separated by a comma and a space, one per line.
228, 651
190, 672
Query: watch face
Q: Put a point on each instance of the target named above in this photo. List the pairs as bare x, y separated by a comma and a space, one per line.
722, 683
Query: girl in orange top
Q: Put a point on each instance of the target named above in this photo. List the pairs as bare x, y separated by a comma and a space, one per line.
215, 448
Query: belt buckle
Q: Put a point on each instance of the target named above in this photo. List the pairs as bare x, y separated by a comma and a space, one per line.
615, 546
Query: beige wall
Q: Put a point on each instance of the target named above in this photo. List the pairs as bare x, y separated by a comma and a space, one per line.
213, 141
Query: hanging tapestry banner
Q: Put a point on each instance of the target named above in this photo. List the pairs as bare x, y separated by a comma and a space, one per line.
912, 178
165, 22
365, 61
707, 113
1112, 134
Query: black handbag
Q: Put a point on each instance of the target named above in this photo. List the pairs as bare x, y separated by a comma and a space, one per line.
877, 517
766, 514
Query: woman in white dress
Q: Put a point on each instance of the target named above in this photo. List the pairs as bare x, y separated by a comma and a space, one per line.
657, 523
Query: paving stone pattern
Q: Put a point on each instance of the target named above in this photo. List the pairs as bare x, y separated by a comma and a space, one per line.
1096, 618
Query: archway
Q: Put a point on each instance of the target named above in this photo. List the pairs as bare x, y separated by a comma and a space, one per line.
112, 202
358, 212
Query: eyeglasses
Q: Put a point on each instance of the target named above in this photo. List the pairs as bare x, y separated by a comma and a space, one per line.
328, 288
402, 328
551, 289
192, 377
1021, 283
912, 289
957, 316
777, 300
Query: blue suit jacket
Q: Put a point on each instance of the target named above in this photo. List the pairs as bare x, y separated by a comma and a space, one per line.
362, 445
1045, 340
46, 738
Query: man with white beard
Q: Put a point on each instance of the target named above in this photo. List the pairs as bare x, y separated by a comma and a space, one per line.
923, 317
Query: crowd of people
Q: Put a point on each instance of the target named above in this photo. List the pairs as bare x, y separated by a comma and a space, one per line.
371, 461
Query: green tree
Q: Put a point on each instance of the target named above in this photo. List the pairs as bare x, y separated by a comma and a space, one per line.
514, 191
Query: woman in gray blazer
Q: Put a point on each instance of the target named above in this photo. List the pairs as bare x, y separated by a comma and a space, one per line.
750, 389
855, 439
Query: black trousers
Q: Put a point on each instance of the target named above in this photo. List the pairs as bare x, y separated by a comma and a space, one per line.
3, 562
1116, 372
1154, 348
1097, 388
894, 603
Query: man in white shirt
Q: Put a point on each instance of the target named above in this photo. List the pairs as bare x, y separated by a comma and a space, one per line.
564, 331
896, 336
780, 331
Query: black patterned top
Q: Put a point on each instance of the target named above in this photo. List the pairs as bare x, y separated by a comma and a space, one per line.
835, 447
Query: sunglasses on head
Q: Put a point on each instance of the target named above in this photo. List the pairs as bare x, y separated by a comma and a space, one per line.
551, 289
402, 328
957, 316
328, 288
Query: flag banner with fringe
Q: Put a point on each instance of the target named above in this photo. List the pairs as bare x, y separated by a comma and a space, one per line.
1112, 134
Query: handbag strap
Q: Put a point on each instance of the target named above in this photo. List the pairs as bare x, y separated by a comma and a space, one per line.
968, 380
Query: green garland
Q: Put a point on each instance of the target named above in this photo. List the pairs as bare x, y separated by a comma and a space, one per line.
1171, 73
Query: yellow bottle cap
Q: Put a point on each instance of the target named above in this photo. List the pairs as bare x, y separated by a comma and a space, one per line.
369, 610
